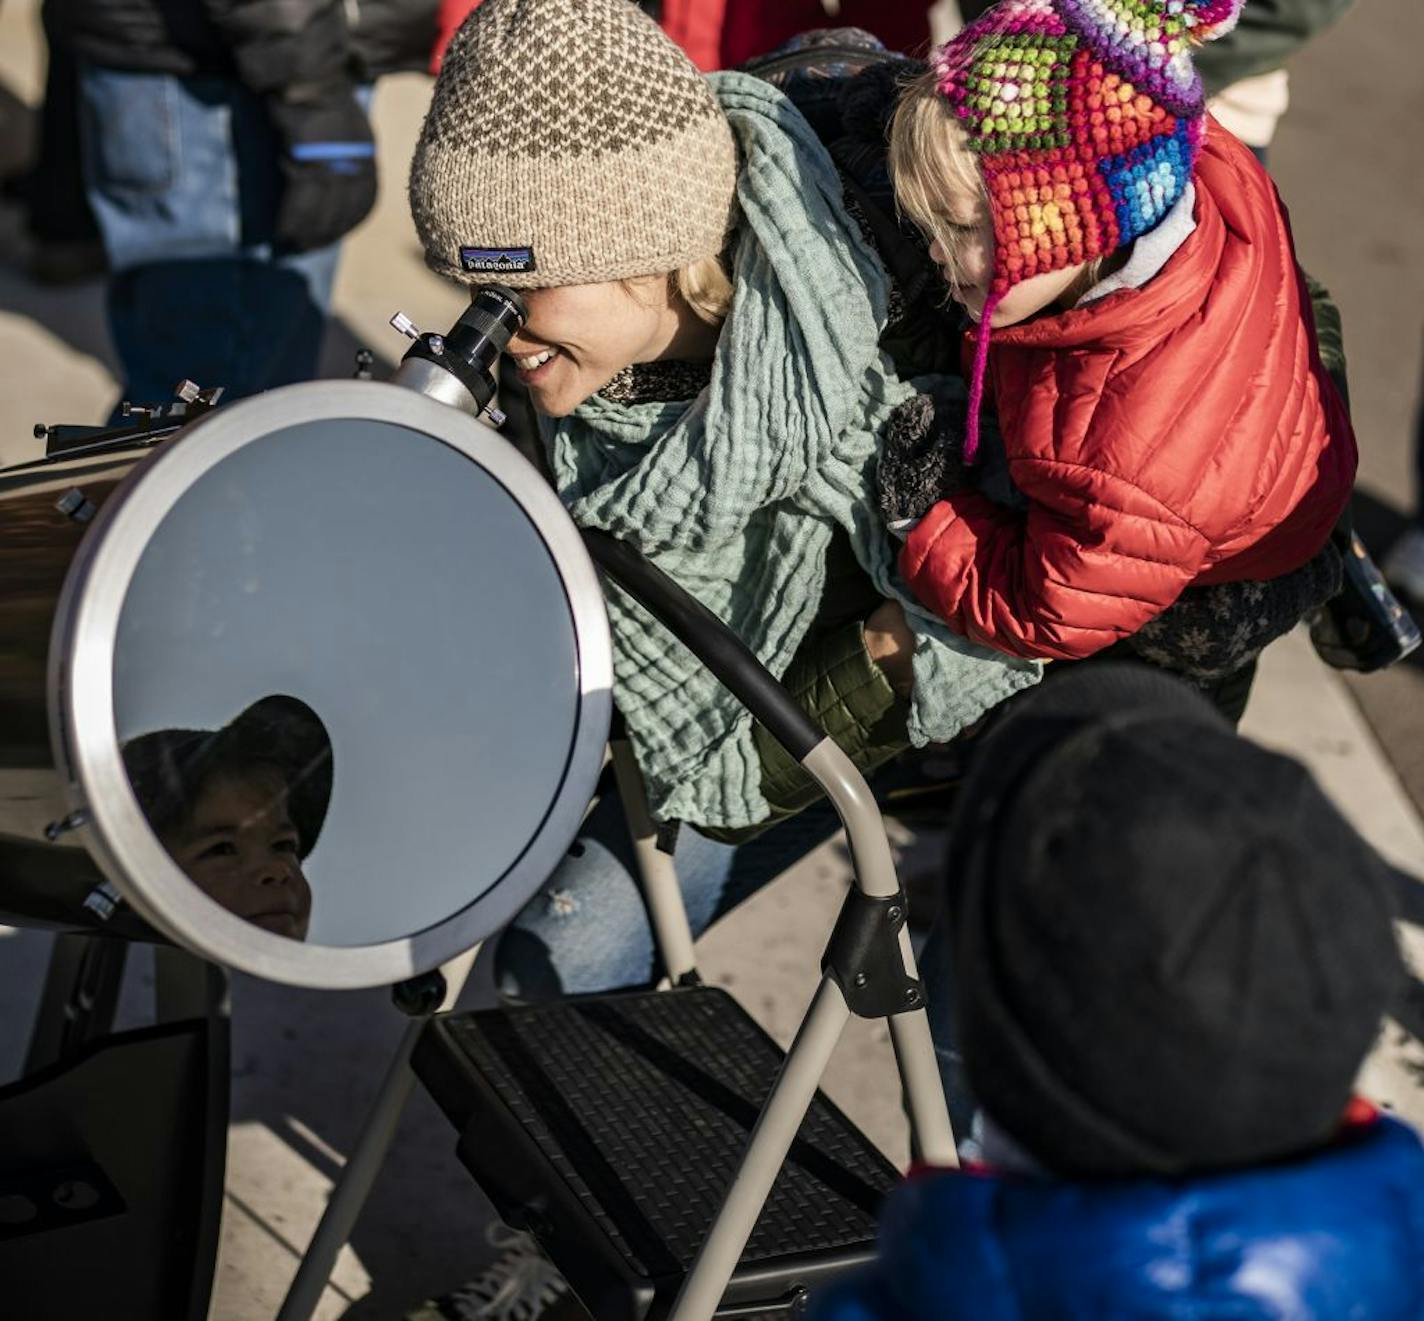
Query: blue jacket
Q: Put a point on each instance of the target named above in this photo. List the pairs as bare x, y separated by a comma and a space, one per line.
1336, 1235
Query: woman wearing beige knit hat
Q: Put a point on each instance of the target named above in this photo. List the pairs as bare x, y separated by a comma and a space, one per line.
703, 349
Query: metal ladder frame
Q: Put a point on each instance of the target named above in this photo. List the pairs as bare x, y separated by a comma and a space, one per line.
825, 1019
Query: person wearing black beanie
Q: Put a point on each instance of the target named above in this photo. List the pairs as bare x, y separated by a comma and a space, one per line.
1170, 956
1171, 952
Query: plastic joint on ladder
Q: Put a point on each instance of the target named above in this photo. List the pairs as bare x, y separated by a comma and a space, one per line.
865, 959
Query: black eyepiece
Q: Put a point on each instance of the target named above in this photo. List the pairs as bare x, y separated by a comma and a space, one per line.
480, 335
485, 327
468, 351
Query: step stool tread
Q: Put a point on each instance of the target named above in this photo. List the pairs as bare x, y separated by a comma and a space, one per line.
642, 1104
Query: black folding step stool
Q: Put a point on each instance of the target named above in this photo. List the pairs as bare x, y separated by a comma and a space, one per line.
610, 1126
629, 1209
615, 1128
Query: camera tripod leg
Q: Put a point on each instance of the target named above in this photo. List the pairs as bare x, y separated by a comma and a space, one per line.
353, 1185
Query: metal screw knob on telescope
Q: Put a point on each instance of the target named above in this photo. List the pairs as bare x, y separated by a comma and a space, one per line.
457, 367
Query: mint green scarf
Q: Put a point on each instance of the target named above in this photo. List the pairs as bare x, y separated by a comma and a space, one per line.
737, 494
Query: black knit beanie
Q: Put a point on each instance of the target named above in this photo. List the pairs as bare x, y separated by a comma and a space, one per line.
1172, 953
169, 768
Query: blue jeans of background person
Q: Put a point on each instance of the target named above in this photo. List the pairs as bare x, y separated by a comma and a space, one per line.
184, 179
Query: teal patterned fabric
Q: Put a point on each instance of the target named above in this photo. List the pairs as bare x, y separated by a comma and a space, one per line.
737, 494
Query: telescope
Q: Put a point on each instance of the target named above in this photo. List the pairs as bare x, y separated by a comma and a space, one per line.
317, 685
358, 549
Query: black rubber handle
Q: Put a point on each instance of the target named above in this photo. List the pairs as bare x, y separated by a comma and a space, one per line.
709, 639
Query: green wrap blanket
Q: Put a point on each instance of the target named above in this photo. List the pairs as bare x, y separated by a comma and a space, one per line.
736, 495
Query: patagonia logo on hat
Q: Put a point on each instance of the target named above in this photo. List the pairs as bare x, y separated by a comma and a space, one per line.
495, 261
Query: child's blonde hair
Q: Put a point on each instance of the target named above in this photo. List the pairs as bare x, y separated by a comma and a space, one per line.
932, 165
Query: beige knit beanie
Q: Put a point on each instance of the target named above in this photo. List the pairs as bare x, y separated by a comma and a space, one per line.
569, 142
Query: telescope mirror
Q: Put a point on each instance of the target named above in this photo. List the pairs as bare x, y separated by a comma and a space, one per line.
328, 686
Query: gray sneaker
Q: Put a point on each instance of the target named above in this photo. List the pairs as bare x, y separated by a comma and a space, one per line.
521, 1284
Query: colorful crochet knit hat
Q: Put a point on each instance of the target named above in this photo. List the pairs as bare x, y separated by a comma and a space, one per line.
1086, 116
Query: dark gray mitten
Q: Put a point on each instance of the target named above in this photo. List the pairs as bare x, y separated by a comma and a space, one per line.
921, 458
328, 166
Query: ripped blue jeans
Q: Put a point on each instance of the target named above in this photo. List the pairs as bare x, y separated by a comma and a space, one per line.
588, 929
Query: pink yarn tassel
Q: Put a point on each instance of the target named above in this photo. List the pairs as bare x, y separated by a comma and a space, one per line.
976, 381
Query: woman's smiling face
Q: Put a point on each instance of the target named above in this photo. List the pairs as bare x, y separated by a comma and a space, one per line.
579, 336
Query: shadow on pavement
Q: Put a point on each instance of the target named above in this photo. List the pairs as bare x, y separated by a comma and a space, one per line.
1409, 1008
306, 1067
76, 314
1409, 1011
73, 313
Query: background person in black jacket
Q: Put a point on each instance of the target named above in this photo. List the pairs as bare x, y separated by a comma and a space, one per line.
226, 152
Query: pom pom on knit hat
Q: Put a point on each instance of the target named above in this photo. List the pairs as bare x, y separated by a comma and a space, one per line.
1086, 117
570, 142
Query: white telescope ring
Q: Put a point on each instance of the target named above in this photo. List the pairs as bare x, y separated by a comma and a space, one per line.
81, 697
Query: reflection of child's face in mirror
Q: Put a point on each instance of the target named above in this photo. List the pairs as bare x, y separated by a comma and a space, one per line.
238, 845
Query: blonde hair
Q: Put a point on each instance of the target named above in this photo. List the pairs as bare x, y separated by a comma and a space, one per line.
933, 166
703, 285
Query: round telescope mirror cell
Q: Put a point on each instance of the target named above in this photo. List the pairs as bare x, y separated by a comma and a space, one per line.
397, 592
359, 694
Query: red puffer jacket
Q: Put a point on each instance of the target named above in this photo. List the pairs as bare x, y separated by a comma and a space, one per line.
1180, 433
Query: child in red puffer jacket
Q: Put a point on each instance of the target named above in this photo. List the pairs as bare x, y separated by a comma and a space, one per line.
1157, 428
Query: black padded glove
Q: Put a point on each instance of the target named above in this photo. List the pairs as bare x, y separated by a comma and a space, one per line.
328, 167
921, 458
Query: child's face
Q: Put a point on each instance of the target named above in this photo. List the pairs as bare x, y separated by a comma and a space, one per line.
970, 272
240, 848
590, 332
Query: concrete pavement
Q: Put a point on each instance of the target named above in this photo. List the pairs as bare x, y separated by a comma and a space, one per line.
306, 1063
1347, 162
